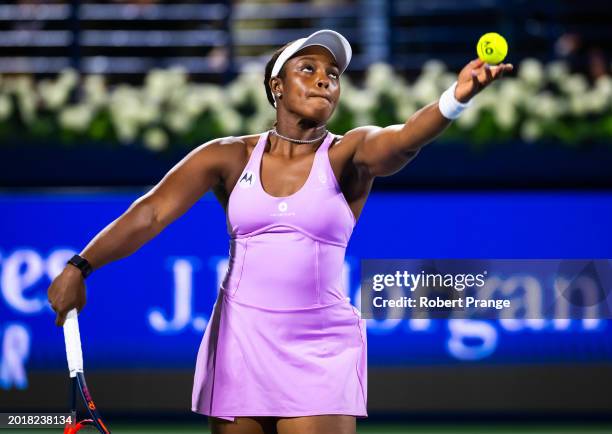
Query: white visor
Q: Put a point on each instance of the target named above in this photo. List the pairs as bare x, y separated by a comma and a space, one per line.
337, 45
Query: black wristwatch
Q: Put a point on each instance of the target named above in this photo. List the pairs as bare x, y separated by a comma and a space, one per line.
82, 264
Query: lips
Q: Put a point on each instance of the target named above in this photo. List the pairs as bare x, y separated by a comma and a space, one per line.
320, 96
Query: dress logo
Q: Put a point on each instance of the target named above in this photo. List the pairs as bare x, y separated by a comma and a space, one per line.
282, 208
247, 179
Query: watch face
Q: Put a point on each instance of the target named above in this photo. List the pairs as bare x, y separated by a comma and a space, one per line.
82, 264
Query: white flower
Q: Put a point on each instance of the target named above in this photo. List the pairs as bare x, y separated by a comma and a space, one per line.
202, 97
544, 105
557, 71
95, 90
505, 115
127, 131
575, 84
195, 102
425, 90
261, 100
27, 106
178, 121
229, 119
149, 112
155, 139
126, 107
363, 118
380, 76
177, 96
486, 100
596, 102
22, 84
156, 85
406, 108
27, 98
433, 68
53, 94
76, 117
68, 78
446, 79
531, 71
260, 121
237, 92
469, 118
161, 83
603, 86
359, 100
512, 91
6, 107
578, 105
531, 131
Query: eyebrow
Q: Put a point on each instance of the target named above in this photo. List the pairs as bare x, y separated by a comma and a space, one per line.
312, 58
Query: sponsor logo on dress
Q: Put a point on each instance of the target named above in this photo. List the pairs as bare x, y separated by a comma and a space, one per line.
282, 207
247, 179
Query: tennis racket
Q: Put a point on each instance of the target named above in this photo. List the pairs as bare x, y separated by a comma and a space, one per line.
74, 354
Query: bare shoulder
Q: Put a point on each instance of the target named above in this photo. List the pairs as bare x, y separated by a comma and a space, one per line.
224, 145
226, 157
360, 134
224, 153
352, 138
348, 144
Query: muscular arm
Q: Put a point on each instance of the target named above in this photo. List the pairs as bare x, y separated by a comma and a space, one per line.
384, 151
180, 189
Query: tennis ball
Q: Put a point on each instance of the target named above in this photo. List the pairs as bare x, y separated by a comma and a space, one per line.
492, 48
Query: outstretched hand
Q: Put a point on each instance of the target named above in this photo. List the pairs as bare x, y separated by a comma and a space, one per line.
477, 75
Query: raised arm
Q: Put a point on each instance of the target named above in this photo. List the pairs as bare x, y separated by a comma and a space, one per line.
384, 151
180, 189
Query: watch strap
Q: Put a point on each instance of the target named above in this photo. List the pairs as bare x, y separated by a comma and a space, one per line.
82, 264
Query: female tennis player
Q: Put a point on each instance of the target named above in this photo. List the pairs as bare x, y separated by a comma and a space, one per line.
284, 351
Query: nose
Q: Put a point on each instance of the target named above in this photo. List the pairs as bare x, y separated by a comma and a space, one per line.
323, 82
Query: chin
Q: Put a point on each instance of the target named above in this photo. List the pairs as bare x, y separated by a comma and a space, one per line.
318, 114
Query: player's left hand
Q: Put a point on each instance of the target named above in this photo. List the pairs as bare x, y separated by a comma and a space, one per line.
477, 75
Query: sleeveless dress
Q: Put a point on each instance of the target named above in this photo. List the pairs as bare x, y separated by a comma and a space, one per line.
283, 339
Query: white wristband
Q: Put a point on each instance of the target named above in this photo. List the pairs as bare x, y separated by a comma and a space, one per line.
448, 104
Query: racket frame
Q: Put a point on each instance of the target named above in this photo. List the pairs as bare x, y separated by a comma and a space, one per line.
74, 356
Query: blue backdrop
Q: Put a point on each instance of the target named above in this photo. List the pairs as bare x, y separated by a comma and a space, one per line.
150, 310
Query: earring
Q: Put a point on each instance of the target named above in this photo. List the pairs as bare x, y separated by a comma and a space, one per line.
278, 95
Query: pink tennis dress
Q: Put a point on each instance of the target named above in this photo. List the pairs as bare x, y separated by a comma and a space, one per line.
283, 339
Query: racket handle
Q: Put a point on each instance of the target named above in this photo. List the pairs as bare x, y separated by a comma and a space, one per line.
72, 338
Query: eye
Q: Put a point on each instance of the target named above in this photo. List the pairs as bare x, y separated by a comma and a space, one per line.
335, 75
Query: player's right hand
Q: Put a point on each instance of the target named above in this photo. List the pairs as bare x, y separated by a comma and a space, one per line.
67, 291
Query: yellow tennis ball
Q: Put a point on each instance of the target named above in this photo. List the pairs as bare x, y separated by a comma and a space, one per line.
492, 48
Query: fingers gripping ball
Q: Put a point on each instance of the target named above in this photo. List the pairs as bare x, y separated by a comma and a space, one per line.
492, 48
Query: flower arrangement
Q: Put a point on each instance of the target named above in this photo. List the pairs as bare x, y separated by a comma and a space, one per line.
540, 103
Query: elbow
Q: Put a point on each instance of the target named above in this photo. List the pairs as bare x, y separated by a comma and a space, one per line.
147, 215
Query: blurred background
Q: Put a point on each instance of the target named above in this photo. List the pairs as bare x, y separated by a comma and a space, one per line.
99, 100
